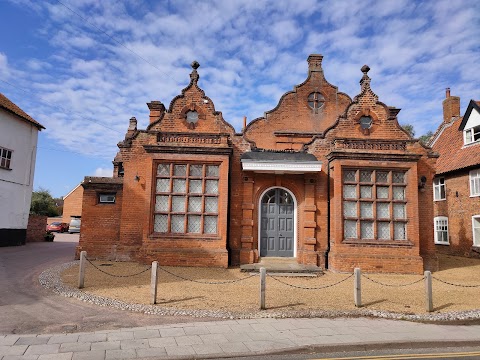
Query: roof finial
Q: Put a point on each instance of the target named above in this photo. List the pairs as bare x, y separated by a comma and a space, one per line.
194, 75
365, 81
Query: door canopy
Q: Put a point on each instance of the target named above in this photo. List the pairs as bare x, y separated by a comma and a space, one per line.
280, 162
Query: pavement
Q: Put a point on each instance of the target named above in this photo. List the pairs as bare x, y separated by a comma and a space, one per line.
28, 308
36, 324
246, 337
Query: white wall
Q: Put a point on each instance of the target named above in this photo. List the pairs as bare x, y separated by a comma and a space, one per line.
473, 119
16, 185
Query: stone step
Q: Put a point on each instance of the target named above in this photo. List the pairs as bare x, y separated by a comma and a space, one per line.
282, 265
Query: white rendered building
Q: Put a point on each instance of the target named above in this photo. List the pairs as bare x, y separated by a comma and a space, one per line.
18, 150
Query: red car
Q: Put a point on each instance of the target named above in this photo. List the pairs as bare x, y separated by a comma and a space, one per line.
58, 227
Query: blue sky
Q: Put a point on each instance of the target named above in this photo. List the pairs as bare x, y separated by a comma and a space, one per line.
82, 68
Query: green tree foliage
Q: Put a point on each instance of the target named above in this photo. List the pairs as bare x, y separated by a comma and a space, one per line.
43, 203
409, 129
425, 138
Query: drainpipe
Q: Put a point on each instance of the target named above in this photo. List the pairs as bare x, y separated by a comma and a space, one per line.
328, 215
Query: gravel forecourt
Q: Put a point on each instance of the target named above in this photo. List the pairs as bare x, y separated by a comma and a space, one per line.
236, 294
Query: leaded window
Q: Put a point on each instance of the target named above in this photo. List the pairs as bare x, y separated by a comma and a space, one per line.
186, 198
374, 204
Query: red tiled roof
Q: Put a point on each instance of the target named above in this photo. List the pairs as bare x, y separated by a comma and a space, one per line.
6, 104
453, 155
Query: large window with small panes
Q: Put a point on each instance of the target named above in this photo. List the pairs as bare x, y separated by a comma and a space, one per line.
186, 198
374, 205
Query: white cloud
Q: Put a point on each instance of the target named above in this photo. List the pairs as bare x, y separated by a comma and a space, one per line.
102, 172
4, 71
250, 51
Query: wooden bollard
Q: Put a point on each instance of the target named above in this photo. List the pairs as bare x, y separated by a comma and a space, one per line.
81, 269
153, 283
428, 291
263, 281
357, 287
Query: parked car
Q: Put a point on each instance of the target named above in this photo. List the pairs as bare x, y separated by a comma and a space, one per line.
57, 227
74, 225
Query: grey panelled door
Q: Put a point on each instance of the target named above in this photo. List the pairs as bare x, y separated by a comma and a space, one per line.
276, 232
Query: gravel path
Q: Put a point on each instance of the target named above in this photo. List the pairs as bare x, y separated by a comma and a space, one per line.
331, 295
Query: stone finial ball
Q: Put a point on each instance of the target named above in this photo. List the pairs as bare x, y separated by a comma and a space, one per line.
195, 65
365, 69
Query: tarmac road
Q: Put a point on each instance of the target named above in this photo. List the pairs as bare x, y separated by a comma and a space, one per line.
26, 307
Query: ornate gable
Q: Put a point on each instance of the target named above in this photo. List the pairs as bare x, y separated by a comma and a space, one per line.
191, 111
368, 119
308, 110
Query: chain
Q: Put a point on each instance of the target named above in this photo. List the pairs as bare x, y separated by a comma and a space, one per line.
207, 282
392, 285
459, 285
308, 288
114, 275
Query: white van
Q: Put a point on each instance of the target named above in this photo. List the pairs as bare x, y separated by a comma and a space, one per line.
74, 225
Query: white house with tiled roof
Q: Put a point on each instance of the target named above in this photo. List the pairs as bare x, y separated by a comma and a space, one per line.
457, 180
18, 150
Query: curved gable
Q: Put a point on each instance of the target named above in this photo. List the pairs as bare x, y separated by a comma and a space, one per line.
190, 111
311, 108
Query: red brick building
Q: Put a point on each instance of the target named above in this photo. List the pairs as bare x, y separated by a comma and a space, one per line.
321, 178
457, 182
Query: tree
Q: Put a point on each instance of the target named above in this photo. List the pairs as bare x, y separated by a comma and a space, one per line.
409, 129
43, 203
424, 139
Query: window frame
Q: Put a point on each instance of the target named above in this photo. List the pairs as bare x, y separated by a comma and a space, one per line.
187, 195
5, 160
374, 220
474, 176
474, 218
100, 201
315, 100
436, 220
439, 186
472, 135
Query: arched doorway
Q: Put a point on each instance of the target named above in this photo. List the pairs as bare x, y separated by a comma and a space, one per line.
277, 223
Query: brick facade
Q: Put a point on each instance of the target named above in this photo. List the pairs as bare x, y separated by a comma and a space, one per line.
157, 169
72, 204
455, 163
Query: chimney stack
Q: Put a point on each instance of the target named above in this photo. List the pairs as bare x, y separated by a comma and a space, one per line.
244, 123
451, 106
156, 110
315, 62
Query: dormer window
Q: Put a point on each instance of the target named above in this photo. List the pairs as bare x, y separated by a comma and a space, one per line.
315, 100
472, 135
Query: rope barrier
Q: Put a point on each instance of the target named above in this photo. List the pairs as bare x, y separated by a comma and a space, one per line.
114, 275
309, 288
393, 285
458, 285
207, 282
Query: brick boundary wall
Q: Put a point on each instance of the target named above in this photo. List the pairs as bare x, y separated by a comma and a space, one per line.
36, 228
